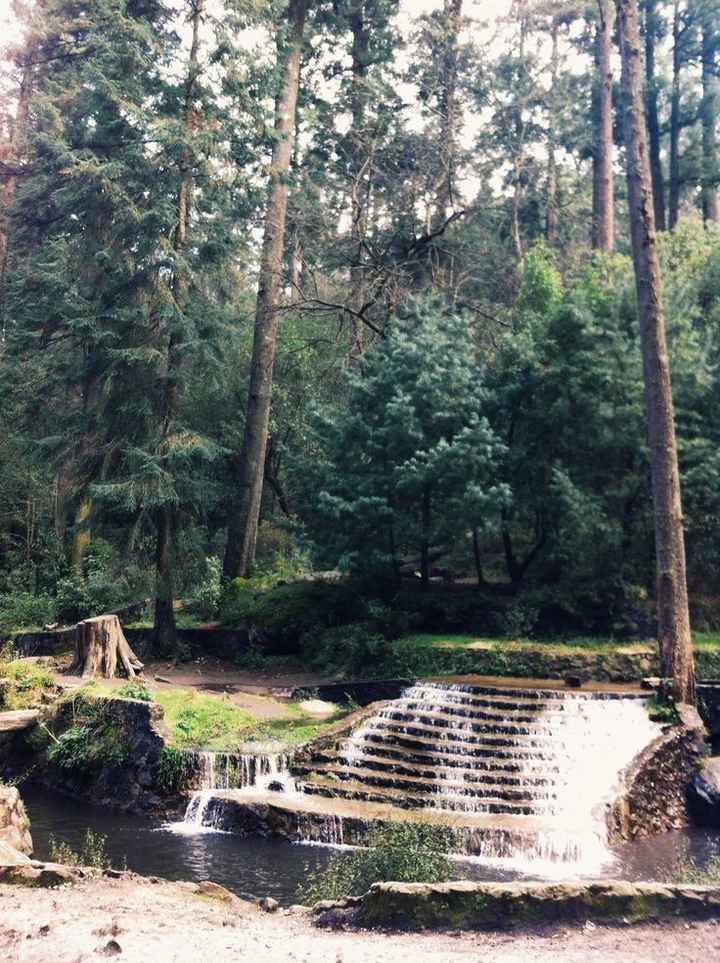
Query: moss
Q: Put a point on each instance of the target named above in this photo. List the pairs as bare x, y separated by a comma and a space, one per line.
28, 683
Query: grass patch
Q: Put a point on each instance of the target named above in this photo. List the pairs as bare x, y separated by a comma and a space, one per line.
28, 683
204, 721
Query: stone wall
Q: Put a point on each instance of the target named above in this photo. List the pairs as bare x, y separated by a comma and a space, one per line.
14, 823
654, 793
121, 767
468, 905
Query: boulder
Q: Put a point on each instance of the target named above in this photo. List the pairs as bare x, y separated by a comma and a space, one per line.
704, 793
14, 823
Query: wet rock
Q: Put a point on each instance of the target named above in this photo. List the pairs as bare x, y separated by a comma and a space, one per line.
704, 793
573, 681
269, 905
276, 786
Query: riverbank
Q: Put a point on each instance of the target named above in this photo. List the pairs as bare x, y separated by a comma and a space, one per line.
138, 919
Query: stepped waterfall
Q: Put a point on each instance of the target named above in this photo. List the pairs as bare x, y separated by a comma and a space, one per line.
521, 775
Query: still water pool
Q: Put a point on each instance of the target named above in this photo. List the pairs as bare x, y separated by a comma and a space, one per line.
263, 867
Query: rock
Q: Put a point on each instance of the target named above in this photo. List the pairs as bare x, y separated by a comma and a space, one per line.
276, 786
14, 823
704, 793
111, 948
651, 683
572, 681
213, 890
269, 905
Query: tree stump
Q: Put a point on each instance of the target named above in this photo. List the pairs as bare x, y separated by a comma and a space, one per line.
100, 644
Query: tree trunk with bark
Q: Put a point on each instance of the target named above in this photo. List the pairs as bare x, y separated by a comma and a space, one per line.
167, 515
653, 121
100, 647
448, 141
709, 118
672, 600
243, 525
359, 173
7, 190
551, 214
677, 60
603, 226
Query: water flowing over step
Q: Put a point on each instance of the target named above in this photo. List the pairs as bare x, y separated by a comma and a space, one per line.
545, 762
518, 774
218, 771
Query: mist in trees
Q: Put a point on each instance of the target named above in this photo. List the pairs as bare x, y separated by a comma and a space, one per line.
351, 282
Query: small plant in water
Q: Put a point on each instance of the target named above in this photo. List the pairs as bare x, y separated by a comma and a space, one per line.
402, 852
93, 852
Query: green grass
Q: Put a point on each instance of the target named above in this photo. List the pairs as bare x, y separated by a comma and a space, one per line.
708, 641
211, 722
204, 721
28, 682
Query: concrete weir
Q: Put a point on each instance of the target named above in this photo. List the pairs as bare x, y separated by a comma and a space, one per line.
522, 774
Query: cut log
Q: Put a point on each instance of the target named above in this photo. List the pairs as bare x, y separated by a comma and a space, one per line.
100, 645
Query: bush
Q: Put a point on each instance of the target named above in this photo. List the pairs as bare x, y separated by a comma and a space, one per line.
175, 769
209, 592
93, 852
134, 689
28, 683
92, 743
282, 615
22, 609
401, 852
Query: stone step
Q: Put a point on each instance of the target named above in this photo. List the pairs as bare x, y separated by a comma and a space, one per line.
348, 789
452, 697
485, 713
488, 746
515, 738
436, 783
517, 692
473, 757
443, 720
437, 771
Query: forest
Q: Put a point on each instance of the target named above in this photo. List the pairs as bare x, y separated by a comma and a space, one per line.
347, 286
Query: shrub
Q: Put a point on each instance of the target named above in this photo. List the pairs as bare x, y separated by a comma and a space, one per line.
93, 852
22, 609
402, 852
92, 743
283, 614
134, 689
209, 592
28, 683
174, 770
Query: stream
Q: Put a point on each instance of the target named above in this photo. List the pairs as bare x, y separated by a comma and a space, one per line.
263, 867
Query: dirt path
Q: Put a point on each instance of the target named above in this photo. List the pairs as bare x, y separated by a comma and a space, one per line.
138, 921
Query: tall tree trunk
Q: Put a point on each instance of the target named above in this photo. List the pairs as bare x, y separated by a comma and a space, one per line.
167, 515
603, 226
444, 187
674, 192
425, 538
518, 159
359, 163
243, 525
672, 601
551, 215
81, 535
709, 116
653, 121
7, 188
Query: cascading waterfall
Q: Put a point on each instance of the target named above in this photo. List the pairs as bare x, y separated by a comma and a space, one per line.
222, 771
526, 772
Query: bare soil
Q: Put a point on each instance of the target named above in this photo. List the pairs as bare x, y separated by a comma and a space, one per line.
141, 921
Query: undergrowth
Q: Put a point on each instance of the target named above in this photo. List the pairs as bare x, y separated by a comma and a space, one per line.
403, 852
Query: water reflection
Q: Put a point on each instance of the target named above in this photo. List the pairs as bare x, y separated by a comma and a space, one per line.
263, 867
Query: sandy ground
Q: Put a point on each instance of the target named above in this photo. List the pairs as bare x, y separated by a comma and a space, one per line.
139, 921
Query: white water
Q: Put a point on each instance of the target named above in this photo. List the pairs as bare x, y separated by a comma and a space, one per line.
224, 771
564, 759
